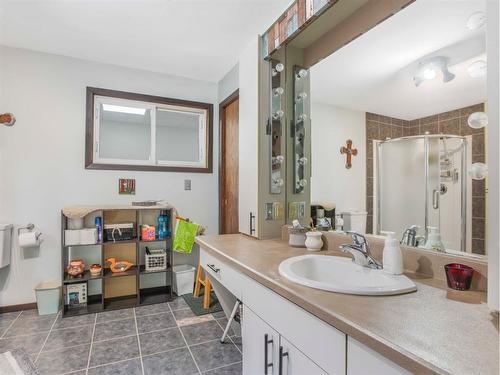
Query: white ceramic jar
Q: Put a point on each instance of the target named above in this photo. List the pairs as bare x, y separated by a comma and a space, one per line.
314, 241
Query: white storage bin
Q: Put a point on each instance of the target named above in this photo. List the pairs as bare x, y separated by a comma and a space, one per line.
156, 260
183, 279
48, 297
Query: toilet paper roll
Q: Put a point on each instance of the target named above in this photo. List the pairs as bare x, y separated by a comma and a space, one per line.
29, 239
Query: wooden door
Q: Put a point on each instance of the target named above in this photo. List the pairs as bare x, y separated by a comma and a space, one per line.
229, 167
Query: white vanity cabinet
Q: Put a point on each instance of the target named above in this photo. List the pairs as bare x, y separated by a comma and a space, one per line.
309, 346
265, 351
363, 360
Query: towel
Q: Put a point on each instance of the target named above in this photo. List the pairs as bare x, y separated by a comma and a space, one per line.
184, 236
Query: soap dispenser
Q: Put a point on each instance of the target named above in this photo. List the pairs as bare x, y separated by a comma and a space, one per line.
434, 240
392, 257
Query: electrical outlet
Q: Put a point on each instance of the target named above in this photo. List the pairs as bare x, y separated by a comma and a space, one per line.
187, 184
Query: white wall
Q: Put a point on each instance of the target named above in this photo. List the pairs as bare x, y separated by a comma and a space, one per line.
42, 156
228, 84
330, 180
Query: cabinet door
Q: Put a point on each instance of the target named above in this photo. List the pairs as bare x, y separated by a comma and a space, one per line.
363, 360
260, 345
292, 361
248, 138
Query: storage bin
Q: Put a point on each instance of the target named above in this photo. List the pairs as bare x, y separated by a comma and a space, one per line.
48, 297
119, 232
156, 260
183, 279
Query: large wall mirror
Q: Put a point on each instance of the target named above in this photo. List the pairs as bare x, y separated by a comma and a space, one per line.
140, 132
398, 127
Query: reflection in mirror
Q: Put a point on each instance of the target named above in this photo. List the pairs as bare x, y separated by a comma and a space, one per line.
275, 126
398, 130
300, 116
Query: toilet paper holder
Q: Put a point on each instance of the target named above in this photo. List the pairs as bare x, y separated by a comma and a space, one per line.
29, 227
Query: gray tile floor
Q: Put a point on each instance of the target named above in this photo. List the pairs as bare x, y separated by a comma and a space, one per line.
148, 340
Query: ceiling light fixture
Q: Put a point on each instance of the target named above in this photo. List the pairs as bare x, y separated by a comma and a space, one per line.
476, 21
477, 69
428, 69
121, 109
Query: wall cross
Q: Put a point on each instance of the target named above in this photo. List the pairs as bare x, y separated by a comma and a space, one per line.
349, 152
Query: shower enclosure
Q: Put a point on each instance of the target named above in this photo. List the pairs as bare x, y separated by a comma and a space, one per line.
421, 181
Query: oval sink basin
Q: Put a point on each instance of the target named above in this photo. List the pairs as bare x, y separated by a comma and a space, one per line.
342, 275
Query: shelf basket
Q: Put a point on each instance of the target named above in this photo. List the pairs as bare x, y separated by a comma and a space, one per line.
156, 261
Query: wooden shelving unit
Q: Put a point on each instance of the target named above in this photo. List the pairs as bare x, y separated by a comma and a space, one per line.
111, 291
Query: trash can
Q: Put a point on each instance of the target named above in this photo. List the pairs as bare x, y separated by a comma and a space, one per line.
183, 279
48, 297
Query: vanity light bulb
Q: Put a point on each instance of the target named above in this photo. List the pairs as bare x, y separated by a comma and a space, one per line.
279, 67
302, 182
301, 96
278, 91
303, 160
280, 159
302, 73
303, 117
278, 114
278, 182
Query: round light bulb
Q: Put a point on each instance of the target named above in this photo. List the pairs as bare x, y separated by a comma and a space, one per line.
477, 69
478, 171
477, 120
302, 73
278, 114
476, 21
278, 91
279, 67
429, 73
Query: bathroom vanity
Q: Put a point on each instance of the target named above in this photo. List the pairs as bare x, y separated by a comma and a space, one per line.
290, 329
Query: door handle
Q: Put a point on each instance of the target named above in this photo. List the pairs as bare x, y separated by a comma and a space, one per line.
213, 268
281, 355
435, 199
267, 341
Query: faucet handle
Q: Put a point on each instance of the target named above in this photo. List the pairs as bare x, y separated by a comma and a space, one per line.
358, 238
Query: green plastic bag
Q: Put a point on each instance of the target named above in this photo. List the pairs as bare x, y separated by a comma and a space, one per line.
184, 236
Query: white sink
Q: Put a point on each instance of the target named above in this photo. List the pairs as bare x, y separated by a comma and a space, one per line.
342, 275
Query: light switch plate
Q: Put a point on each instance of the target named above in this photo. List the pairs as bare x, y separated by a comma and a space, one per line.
187, 184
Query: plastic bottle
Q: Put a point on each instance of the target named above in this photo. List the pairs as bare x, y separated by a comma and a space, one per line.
392, 256
98, 225
163, 231
434, 240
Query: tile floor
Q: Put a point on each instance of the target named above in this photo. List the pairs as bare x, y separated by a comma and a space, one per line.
158, 339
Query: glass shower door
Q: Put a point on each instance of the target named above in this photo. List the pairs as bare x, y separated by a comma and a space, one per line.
401, 185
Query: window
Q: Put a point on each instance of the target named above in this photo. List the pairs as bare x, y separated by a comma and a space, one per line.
127, 131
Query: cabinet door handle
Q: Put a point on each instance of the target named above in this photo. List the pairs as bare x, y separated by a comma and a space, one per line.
267, 341
252, 228
213, 268
282, 354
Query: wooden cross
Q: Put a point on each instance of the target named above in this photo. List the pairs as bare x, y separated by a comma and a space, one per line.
350, 152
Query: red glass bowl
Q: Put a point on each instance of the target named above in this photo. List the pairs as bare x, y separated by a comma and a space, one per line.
459, 276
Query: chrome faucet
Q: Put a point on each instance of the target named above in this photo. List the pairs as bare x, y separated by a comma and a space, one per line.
360, 251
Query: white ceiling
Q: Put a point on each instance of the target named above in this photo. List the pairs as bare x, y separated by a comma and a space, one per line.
192, 38
374, 73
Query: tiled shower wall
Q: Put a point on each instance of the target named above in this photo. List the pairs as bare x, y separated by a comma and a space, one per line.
454, 122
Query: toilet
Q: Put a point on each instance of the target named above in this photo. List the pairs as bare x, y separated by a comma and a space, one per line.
355, 221
5, 244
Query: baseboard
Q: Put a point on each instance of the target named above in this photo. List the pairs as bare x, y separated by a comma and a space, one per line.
11, 308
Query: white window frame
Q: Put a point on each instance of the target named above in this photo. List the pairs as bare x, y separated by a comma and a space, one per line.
152, 160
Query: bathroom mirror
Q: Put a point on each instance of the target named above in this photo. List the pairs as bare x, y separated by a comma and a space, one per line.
390, 112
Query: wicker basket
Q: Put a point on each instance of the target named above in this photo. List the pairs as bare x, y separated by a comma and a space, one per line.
156, 261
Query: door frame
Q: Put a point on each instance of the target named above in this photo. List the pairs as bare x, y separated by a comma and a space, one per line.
222, 137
